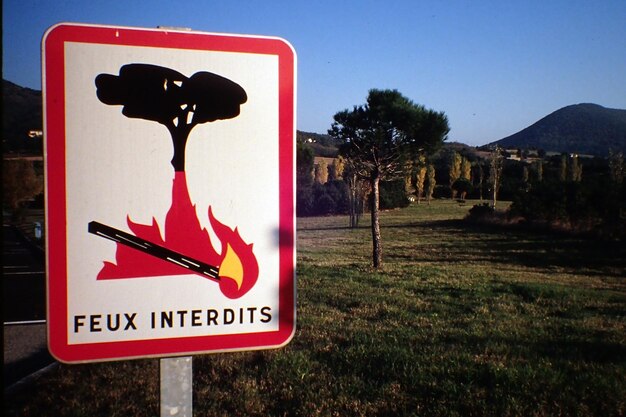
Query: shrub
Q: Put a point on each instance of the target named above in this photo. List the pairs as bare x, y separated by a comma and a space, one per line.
577, 206
393, 195
340, 193
324, 204
317, 199
481, 211
304, 201
462, 186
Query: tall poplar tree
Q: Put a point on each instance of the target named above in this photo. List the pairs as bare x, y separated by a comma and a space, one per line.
455, 171
420, 179
432, 182
616, 166
321, 172
575, 169
466, 168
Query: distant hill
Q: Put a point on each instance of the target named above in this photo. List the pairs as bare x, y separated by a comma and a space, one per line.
323, 145
21, 112
580, 128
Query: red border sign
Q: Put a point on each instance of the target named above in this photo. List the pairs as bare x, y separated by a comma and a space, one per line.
55, 90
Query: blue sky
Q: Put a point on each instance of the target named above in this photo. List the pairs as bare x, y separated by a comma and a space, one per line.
494, 67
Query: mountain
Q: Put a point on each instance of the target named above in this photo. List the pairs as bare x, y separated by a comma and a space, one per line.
579, 128
21, 112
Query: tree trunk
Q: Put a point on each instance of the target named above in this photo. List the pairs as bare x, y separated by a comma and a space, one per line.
377, 250
180, 135
354, 220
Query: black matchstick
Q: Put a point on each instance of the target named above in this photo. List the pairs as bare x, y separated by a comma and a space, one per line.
155, 250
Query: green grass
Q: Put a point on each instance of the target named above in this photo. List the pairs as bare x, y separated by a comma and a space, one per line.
460, 321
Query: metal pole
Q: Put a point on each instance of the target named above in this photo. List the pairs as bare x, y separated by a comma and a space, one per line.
176, 387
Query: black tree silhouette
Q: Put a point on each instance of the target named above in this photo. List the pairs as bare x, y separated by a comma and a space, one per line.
160, 94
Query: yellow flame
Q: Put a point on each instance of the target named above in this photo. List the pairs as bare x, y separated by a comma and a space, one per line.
232, 267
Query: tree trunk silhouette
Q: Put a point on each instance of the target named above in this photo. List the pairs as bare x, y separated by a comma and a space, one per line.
180, 135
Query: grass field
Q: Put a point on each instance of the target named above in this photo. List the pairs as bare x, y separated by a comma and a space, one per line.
462, 320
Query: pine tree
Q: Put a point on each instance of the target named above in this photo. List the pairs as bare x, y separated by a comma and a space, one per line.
379, 136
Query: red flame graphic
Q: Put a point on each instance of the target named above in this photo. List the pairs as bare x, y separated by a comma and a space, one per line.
183, 234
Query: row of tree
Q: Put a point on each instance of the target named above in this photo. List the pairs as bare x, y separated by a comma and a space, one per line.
594, 202
444, 174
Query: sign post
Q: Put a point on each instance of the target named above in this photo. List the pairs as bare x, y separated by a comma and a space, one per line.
176, 376
170, 221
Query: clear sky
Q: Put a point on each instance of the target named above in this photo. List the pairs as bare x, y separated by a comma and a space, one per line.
494, 67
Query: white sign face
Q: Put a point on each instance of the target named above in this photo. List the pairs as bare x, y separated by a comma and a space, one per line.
170, 192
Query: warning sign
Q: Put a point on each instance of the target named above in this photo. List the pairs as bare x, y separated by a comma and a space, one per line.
170, 192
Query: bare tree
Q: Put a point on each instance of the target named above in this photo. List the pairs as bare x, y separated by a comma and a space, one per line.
481, 178
358, 189
496, 163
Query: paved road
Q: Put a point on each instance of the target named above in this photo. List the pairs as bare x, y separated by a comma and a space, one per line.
25, 352
23, 293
